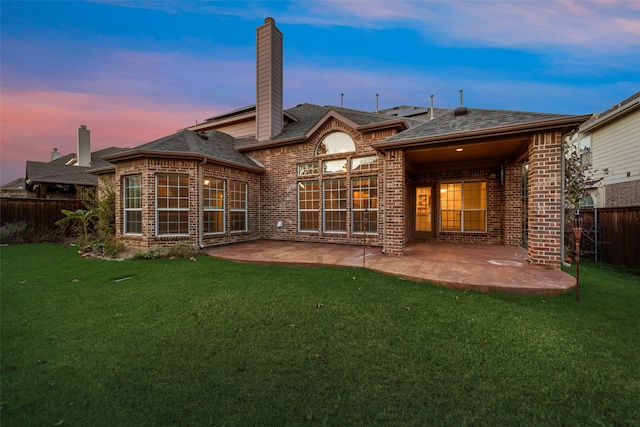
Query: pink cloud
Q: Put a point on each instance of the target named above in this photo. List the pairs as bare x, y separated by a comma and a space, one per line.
34, 122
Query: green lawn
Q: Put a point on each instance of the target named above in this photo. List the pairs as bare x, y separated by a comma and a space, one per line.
176, 342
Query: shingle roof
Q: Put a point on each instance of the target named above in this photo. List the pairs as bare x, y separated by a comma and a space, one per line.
213, 144
59, 174
97, 160
308, 115
57, 171
15, 185
475, 119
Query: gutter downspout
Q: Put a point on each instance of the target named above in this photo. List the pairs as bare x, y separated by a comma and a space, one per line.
562, 215
201, 205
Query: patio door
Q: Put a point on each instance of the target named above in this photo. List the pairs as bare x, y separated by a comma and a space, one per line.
423, 217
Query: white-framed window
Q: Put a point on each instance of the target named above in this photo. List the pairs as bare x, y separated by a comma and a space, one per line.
335, 143
213, 205
310, 168
308, 206
132, 204
364, 163
172, 205
364, 205
463, 206
238, 206
335, 205
334, 166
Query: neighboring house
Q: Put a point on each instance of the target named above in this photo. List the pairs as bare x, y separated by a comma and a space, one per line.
610, 143
67, 177
331, 174
15, 188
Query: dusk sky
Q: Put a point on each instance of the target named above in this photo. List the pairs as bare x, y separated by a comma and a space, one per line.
135, 71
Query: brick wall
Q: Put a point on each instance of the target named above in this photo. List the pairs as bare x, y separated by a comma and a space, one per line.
279, 187
513, 205
395, 199
149, 168
545, 203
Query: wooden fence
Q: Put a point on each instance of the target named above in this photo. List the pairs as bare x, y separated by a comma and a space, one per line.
38, 213
612, 235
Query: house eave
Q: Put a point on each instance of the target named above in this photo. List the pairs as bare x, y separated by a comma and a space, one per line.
135, 154
399, 124
564, 123
614, 115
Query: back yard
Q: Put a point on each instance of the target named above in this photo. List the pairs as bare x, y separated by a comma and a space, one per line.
211, 342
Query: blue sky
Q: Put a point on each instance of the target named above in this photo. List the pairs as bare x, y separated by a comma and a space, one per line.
134, 71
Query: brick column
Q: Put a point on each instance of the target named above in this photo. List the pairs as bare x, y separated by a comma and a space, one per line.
545, 199
513, 205
395, 203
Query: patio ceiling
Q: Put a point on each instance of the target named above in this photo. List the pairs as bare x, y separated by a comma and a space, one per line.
464, 154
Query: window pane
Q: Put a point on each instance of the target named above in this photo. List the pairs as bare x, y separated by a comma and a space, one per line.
172, 204
463, 206
336, 142
474, 221
364, 163
335, 205
213, 222
133, 222
238, 221
451, 220
308, 169
475, 195
334, 166
133, 204
238, 201
364, 199
308, 205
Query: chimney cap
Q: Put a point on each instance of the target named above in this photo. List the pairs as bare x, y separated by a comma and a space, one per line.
269, 20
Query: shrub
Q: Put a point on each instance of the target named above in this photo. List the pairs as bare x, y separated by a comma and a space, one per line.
12, 232
178, 251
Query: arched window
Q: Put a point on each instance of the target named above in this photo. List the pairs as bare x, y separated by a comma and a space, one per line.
335, 143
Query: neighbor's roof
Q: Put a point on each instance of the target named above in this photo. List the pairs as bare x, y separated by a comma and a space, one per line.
630, 104
15, 185
54, 173
214, 145
97, 160
58, 172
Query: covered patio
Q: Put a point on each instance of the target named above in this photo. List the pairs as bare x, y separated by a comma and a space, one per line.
482, 268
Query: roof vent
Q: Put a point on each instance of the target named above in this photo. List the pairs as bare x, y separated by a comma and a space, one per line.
431, 118
461, 110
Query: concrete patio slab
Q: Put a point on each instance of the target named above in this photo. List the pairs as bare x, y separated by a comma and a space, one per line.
483, 268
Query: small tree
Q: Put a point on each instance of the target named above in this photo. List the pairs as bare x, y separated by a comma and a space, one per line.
82, 216
578, 177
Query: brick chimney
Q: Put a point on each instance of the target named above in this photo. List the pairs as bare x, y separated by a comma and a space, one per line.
269, 119
83, 153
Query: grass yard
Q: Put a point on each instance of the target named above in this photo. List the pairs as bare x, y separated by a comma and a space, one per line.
211, 342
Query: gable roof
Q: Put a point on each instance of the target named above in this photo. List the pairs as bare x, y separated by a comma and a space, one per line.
213, 145
309, 116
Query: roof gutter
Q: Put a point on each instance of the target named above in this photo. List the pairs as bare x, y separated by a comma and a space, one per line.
133, 154
604, 119
496, 132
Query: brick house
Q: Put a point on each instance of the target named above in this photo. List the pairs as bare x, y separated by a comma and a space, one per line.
336, 175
